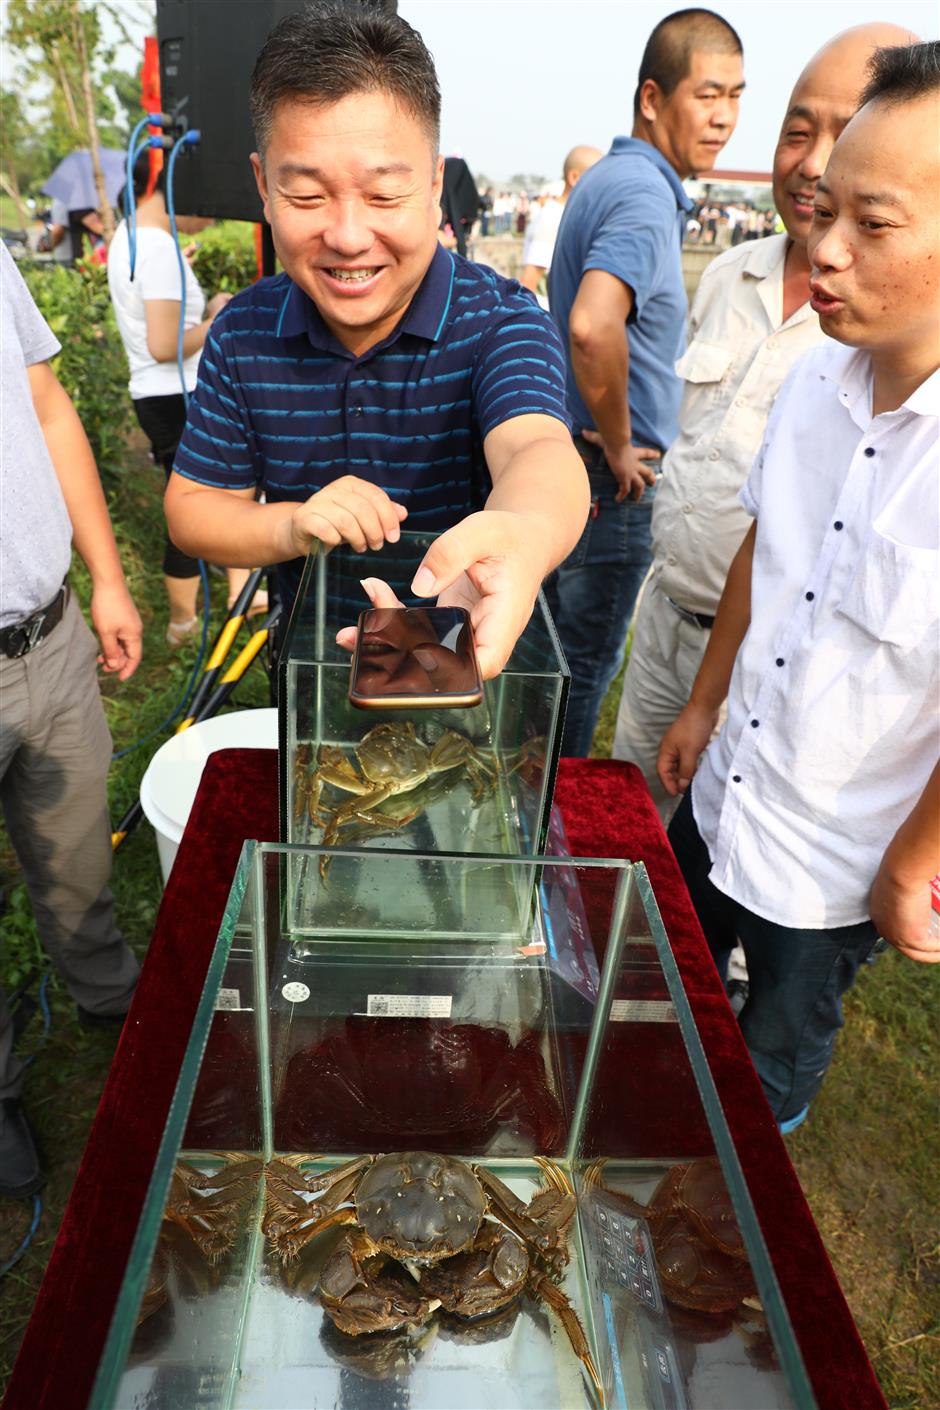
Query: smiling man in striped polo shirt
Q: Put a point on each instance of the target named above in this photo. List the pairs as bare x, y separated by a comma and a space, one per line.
381, 378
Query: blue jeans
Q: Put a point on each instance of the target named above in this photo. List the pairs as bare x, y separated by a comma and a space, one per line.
592, 594
796, 977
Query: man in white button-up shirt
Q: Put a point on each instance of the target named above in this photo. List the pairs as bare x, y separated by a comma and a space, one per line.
751, 321
814, 823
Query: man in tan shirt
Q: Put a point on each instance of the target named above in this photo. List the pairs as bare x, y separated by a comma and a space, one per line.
751, 321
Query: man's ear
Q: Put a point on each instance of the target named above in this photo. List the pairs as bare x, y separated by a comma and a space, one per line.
437, 184
257, 166
651, 100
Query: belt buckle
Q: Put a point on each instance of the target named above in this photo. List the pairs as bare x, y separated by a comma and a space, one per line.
30, 633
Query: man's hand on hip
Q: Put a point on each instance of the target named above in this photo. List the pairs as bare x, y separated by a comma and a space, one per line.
628, 466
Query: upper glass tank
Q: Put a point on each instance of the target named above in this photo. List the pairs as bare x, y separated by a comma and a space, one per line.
463, 780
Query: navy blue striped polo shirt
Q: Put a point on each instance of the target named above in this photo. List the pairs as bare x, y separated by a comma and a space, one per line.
281, 404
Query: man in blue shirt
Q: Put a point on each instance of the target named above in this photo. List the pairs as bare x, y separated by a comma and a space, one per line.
617, 294
381, 378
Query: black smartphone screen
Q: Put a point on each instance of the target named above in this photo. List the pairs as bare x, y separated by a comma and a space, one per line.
419, 657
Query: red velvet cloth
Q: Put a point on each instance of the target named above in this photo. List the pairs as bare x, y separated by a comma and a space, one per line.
607, 812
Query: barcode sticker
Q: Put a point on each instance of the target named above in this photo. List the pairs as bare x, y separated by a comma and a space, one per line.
642, 1011
409, 1005
228, 999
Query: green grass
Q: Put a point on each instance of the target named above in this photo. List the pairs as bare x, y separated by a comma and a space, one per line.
867, 1157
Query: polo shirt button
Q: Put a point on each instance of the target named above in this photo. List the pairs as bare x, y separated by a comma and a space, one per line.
687, 509
754, 724
357, 411
736, 778
741, 401
780, 661
771, 343
869, 451
838, 525
810, 596
714, 454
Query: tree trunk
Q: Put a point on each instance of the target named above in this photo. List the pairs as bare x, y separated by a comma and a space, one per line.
94, 144
9, 183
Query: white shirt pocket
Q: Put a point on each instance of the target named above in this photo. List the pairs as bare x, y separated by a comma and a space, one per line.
894, 595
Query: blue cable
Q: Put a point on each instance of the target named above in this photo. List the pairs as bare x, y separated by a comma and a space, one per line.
15, 1257
37, 1202
188, 139
130, 200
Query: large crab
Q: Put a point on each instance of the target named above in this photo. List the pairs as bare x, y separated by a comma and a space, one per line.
426, 1231
700, 1255
389, 760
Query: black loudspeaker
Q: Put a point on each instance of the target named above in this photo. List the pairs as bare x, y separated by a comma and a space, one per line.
208, 49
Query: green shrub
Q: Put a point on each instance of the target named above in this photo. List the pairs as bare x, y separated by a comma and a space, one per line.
91, 366
225, 261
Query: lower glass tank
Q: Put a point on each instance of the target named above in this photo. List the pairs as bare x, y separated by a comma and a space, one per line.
447, 1170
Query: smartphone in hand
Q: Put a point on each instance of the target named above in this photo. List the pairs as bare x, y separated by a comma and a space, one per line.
418, 658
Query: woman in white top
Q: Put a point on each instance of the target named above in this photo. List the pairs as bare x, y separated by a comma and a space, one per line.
147, 311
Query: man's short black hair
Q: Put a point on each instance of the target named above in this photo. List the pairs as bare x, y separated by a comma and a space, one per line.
327, 52
667, 58
899, 75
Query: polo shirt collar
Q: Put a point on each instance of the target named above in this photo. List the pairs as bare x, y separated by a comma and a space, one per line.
425, 315
635, 147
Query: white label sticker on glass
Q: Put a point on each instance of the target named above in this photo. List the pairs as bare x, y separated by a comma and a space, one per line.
295, 993
228, 999
409, 1006
642, 1011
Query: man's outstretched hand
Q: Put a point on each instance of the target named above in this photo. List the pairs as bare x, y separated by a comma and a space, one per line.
485, 565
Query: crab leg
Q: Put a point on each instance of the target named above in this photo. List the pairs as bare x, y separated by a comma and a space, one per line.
291, 1221
543, 1287
539, 1234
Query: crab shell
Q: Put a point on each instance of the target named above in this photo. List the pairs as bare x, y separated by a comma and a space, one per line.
420, 1206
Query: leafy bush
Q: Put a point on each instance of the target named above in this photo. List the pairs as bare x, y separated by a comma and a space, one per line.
225, 261
91, 366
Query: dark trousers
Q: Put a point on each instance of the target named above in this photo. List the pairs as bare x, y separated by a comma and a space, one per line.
796, 977
592, 594
162, 419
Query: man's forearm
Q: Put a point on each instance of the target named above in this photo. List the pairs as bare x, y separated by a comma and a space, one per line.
228, 526
546, 483
913, 855
732, 620
601, 364
77, 474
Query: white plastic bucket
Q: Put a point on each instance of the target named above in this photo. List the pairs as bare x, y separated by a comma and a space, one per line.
169, 786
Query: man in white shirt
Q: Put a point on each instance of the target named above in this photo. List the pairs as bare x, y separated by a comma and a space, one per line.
750, 323
813, 823
542, 230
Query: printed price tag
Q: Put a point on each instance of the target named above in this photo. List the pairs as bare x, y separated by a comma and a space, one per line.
228, 999
409, 1005
642, 1011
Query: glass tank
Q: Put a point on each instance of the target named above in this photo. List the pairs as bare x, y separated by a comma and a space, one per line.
439, 1168
474, 779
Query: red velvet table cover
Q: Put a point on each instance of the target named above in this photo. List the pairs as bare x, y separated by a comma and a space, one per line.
607, 812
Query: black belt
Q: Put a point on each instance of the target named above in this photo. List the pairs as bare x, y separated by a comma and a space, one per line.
20, 639
701, 619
